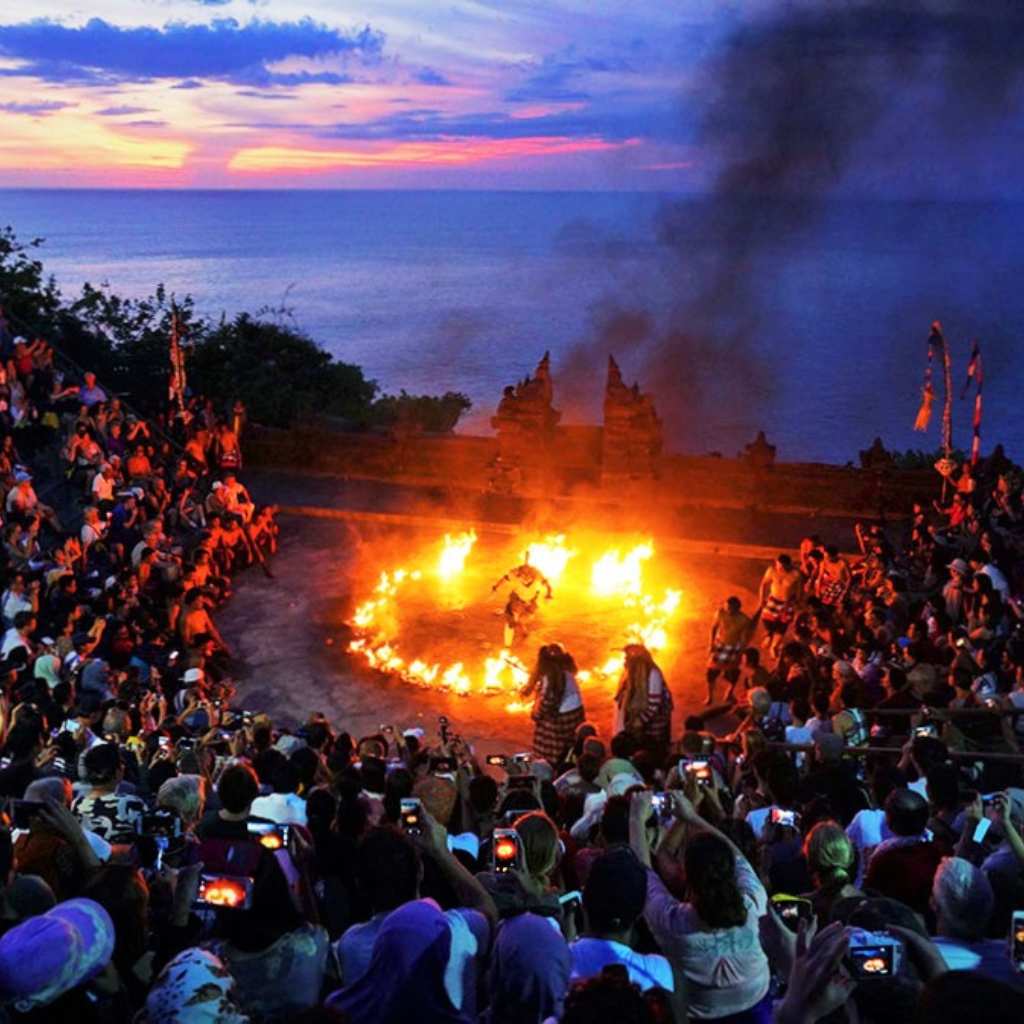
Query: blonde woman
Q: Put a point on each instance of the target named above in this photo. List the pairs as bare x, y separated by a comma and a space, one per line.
832, 864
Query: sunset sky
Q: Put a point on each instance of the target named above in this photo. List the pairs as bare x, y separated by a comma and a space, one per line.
329, 93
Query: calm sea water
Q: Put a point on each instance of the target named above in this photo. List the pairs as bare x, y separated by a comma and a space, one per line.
431, 291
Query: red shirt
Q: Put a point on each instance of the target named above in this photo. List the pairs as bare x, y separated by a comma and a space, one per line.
905, 873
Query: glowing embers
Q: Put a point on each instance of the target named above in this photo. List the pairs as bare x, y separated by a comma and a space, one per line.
451, 637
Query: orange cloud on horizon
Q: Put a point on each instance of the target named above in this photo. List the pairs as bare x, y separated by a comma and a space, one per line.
443, 152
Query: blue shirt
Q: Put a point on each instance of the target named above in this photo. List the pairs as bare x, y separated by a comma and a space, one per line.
91, 396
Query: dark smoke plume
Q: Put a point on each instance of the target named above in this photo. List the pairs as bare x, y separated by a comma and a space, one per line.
788, 107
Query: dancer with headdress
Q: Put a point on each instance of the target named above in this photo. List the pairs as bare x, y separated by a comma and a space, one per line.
520, 610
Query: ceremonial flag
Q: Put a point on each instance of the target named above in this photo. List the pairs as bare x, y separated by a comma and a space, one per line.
975, 373
973, 370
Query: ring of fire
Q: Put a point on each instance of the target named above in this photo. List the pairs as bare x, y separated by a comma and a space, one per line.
603, 598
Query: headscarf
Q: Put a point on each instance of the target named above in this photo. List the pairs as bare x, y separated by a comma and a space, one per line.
406, 977
195, 986
47, 668
529, 973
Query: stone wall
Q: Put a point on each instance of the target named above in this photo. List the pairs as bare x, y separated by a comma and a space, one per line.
467, 463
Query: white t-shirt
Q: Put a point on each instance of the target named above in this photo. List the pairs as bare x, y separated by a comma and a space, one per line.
799, 734
102, 488
284, 808
12, 639
867, 830
14, 603
591, 956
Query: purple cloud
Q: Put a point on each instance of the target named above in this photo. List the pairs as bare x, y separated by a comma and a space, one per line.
37, 108
430, 76
556, 78
123, 110
100, 53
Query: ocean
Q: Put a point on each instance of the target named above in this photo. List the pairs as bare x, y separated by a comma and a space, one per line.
814, 331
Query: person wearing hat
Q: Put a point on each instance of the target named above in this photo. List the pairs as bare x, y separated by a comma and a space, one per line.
49, 960
217, 500
193, 988
614, 898
23, 501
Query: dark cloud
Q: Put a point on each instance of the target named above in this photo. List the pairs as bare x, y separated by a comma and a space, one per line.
123, 111
430, 76
35, 108
100, 53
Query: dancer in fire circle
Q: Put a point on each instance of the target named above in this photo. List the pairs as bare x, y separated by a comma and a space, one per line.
780, 593
557, 703
833, 579
519, 615
519, 610
730, 633
643, 703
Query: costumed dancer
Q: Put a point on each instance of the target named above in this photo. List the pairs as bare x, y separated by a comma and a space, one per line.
519, 611
780, 593
643, 703
834, 578
730, 634
557, 703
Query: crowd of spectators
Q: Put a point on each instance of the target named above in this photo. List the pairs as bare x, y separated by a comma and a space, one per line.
849, 849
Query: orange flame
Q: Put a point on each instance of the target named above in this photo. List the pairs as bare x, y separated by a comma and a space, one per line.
454, 553
613, 574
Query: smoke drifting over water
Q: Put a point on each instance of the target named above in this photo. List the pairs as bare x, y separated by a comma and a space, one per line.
800, 109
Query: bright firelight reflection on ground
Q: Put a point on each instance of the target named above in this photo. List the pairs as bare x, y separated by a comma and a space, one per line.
598, 586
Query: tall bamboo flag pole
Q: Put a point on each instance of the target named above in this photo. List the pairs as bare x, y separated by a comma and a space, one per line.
937, 345
177, 355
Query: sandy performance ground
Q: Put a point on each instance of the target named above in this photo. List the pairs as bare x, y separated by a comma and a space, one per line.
289, 634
